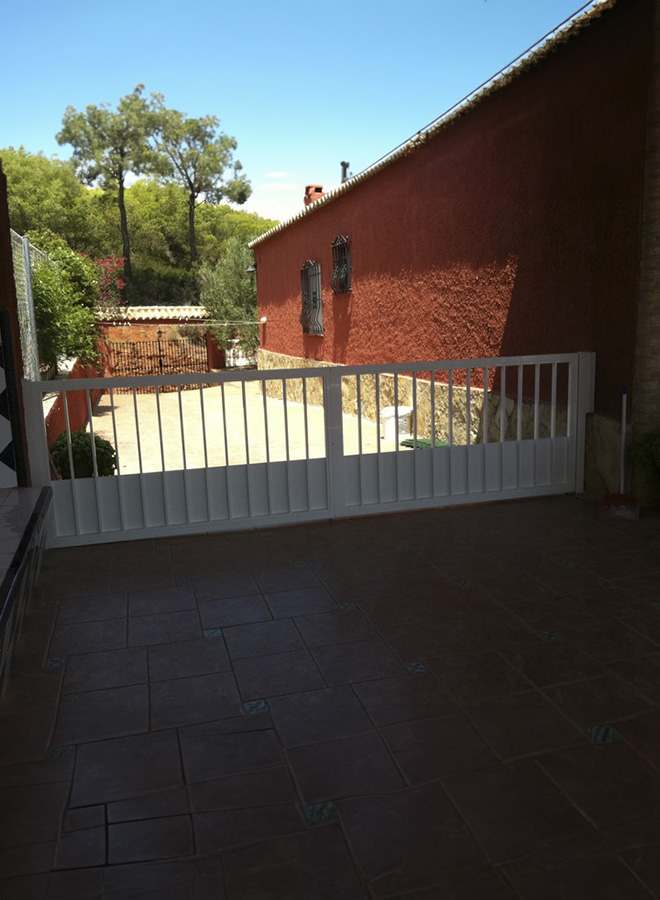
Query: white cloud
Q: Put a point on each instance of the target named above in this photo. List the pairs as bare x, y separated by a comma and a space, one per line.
282, 186
276, 175
276, 201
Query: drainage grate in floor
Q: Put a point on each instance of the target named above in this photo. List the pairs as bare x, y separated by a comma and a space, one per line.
61, 752
549, 635
253, 707
320, 813
415, 668
603, 734
212, 632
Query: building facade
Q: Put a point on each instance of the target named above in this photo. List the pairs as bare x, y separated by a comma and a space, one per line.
512, 226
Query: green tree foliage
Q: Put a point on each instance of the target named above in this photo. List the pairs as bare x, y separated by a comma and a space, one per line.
229, 293
107, 145
80, 271
45, 194
197, 156
217, 224
65, 290
158, 223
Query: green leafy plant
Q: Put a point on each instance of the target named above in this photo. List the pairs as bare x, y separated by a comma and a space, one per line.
230, 296
65, 287
81, 452
646, 452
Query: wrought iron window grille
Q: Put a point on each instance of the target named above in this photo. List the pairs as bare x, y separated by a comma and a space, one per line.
341, 265
311, 316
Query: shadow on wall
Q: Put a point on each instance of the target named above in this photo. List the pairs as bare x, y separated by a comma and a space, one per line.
513, 231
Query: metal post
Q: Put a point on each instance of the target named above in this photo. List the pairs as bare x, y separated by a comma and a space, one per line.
334, 440
35, 432
586, 374
33, 363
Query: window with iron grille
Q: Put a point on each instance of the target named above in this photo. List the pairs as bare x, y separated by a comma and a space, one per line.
311, 317
341, 265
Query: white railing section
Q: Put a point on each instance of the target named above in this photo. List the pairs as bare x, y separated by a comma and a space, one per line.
246, 448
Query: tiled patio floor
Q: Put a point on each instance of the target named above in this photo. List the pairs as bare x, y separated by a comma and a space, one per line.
448, 705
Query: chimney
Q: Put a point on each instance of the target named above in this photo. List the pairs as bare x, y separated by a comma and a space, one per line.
313, 192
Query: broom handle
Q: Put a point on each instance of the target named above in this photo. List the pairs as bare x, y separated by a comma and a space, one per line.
624, 404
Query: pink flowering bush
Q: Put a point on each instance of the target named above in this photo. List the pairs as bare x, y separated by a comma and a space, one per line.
111, 283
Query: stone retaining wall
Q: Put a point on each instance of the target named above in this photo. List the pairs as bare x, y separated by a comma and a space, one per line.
406, 388
603, 435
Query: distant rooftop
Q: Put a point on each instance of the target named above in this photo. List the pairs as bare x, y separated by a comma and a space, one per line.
152, 313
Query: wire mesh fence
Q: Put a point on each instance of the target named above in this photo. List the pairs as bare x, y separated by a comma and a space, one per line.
25, 257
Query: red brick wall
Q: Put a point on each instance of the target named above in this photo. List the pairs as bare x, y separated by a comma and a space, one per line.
77, 405
142, 331
515, 230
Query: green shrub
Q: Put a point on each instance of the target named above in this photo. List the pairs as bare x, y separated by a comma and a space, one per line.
65, 288
158, 285
81, 451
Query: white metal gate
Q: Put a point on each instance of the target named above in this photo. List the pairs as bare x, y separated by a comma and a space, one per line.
253, 449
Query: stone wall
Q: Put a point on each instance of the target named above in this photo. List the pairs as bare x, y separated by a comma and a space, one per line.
294, 390
404, 392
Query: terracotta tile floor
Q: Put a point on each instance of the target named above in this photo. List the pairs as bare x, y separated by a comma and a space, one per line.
446, 705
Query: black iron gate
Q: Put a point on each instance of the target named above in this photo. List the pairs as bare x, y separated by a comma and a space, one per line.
161, 357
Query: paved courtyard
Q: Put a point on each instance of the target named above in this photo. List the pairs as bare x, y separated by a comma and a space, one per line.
457, 704
219, 429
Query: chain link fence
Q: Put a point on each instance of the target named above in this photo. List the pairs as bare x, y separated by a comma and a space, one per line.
25, 257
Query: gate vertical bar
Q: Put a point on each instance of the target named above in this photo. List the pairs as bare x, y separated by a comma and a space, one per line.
95, 465
166, 505
120, 487
267, 441
226, 443
72, 468
378, 434
586, 386
334, 441
246, 428
207, 485
358, 391
303, 384
286, 442
139, 450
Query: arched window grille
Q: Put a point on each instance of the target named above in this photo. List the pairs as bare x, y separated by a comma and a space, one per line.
311, 317
341, 265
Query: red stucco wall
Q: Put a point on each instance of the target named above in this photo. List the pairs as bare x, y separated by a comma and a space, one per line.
142, 331
515, 230
76, 402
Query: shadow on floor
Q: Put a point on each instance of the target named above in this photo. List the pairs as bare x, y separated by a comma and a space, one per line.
460, 704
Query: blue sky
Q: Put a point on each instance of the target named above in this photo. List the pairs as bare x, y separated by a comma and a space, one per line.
300, 85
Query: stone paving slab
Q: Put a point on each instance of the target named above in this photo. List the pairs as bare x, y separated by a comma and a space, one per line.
215, 430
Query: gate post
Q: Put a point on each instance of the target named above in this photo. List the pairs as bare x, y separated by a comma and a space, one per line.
586, 387
334, 441
35, 432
